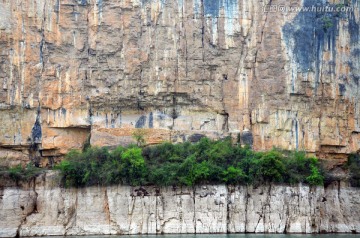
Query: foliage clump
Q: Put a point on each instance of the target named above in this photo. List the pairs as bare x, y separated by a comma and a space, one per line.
208, 161
98, 166
139, 136
20, 173
327, 22
354, 169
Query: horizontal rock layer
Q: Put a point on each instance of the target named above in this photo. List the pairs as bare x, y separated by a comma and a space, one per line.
74, 69
44, 209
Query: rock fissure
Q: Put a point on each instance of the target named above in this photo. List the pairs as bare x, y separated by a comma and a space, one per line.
72, 215
228, 202
203, 30
194, 215
247, 195
33, 210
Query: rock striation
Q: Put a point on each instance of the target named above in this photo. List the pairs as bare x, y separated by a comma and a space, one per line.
43, 208
77, 69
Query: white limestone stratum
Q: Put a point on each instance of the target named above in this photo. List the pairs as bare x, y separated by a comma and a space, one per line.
44, 208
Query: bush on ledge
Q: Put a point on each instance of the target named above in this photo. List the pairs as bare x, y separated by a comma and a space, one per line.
20, 173
187, 164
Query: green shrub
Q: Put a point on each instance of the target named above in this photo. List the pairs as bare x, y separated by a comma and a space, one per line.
165, 174
327, 22
233, 175
205, 162
186, 171
297, 167
19, 173
354, 169
139, 136
110, 171
133, 168
82, 169
72, 169
15, 173
116, 154
272, 168
161, 153
315, 178
219, 152
31, 171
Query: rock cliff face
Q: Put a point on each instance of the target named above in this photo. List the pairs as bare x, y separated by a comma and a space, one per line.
43, 208
71, 69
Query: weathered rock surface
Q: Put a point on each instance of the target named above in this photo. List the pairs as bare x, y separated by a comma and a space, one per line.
46, 209
71, 69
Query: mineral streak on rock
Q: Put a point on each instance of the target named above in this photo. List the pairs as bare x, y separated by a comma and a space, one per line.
100, 68
43, 208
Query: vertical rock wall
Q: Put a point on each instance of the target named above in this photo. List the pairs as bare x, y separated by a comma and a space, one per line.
45, 209
71, 69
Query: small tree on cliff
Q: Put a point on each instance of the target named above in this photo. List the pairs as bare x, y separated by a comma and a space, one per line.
139, 137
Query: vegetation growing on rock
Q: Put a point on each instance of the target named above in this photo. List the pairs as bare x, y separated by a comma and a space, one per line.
188, 164
205, 162
354, 169
20, 173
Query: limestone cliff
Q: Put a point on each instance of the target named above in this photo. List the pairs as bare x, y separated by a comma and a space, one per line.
71, 69
43, 208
